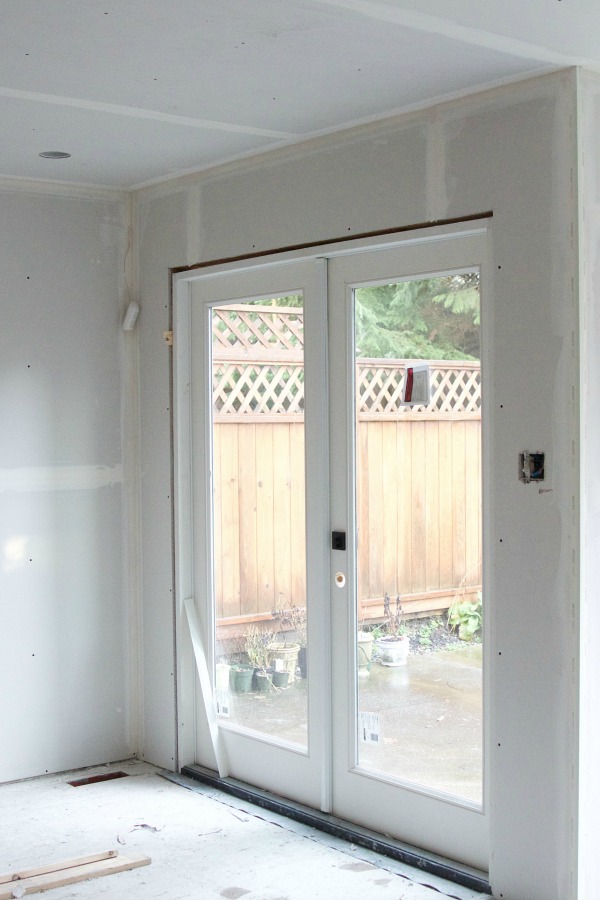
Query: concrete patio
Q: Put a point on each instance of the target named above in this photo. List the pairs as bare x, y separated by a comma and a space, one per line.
429, 713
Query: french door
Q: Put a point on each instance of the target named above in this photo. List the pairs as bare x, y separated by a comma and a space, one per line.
329, 414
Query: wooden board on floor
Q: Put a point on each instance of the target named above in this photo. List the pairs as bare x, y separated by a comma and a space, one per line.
42, 878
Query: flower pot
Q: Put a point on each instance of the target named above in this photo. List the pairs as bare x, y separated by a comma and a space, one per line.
240, 679
280, 679
364, 651
393, 650
222, 676
263, 681
288, 653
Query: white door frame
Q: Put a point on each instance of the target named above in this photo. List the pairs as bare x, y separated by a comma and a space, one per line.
455, 827
192, 524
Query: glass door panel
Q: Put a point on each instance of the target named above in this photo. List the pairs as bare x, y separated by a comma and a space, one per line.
418, 522
406, 483
255, 373
258, 520
341, 397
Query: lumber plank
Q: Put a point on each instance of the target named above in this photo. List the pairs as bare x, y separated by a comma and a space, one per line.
69, 872
53, 867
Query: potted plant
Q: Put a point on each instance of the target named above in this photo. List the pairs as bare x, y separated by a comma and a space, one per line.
258, 653
393, 644
240, 677
281, 678
292, 621
233, 657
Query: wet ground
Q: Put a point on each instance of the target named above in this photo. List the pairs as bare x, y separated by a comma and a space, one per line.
422, 721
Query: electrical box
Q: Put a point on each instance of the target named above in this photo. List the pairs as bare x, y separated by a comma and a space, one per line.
531, 466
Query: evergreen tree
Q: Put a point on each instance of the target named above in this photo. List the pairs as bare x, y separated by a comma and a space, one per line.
434, 318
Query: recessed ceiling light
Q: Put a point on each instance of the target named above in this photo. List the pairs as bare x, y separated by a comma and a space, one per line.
55, 154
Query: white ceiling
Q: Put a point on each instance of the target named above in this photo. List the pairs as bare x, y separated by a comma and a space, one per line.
141, 90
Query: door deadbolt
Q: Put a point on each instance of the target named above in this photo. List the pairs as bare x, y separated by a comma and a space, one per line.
338, 540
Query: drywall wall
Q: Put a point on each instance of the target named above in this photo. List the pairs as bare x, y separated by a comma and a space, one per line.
589, 117
63, 676
162, 232
511, 151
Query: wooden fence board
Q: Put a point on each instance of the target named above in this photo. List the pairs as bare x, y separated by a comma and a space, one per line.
218, 442
404, 510
230, 518
248, 525
459, 472
418, 511
433, 525
418, 471
282, 546
473, 501
362, 510
373, 533
265, 524
418, 484
446, 502
297, 514
389, 523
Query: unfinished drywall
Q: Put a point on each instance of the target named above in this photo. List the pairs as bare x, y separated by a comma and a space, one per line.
589, 115
511, 151
63, 685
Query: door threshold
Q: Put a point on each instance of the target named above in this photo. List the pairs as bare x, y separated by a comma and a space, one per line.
474, 879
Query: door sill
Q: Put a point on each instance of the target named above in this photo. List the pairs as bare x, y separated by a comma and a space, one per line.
466, 876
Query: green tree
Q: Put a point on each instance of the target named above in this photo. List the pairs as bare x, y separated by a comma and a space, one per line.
434, 318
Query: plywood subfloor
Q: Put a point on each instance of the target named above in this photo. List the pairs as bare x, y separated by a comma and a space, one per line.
203, 844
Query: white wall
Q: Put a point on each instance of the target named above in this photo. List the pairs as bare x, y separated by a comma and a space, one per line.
63, 672
512, 151
590, 483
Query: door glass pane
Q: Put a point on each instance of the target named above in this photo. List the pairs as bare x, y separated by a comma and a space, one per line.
418, 509
258, 516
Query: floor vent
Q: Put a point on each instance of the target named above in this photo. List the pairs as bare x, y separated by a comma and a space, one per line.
94, 779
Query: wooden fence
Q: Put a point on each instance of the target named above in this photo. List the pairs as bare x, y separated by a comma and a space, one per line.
418, 474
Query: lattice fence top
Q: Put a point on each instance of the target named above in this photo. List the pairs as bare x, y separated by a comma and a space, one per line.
455, 387
258, 370
246, 329
258, 389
